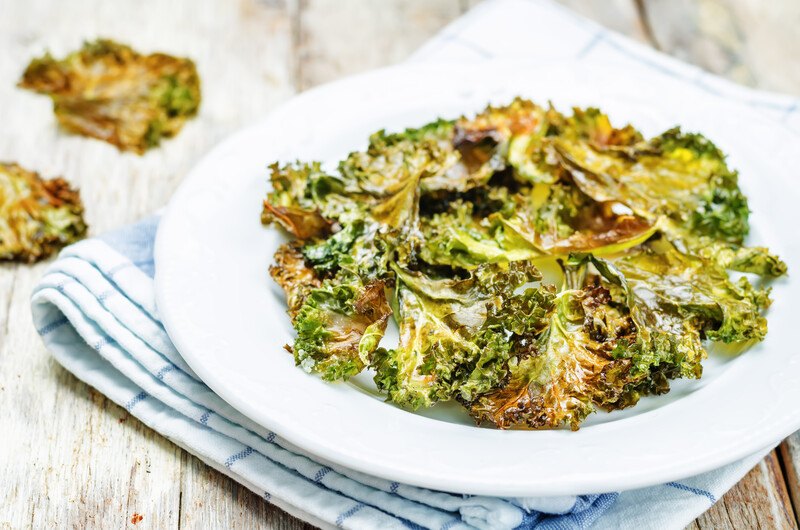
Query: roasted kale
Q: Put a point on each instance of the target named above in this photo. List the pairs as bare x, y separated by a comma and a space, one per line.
446, 227
454, 332
108, 91
39, 217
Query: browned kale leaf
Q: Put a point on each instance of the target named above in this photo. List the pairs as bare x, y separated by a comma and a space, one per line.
340, 325
38, 217
293, 275
108, 91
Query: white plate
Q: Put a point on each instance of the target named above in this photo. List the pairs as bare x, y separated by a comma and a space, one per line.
228, 318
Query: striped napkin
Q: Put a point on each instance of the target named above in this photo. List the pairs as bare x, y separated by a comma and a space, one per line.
95, 310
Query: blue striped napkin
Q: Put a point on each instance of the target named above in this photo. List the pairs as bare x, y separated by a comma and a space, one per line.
95, 310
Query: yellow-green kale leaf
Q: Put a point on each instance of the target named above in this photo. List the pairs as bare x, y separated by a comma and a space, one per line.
698, 290
556, 380
37, 217
602, 348
456, 334
339, 325
459, 238
293, 203
108, 91
680, 176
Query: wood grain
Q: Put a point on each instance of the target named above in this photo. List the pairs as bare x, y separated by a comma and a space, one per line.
341, 37
68, 456
750, 41
789, 452
760, 500
71, 458
619, 15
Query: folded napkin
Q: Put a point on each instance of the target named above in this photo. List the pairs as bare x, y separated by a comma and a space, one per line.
95, 310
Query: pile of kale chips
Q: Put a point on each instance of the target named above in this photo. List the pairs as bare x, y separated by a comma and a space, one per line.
446, 227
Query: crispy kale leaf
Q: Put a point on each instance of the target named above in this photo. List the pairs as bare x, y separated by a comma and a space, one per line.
339, 322
293, 202
604, 347
108, 91
594, 127
339, 326
521, 130
755, 260
698, 290
680, 176
39, 217
503, 123
357, 247
455, 333
452, 219
294, 276
568, 221
557, 380
459, 238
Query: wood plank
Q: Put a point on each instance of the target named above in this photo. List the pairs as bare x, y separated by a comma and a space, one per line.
618, 15
749, 41
342, 37
790, 458
759, 500
69, 457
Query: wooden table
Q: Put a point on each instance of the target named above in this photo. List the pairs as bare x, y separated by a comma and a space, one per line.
71, 458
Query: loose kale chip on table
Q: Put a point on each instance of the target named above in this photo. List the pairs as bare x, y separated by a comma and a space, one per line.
445, 228
108, 91
37, 217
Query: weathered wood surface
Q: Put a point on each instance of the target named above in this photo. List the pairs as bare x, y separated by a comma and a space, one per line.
71, 458
759, 500
750, 41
